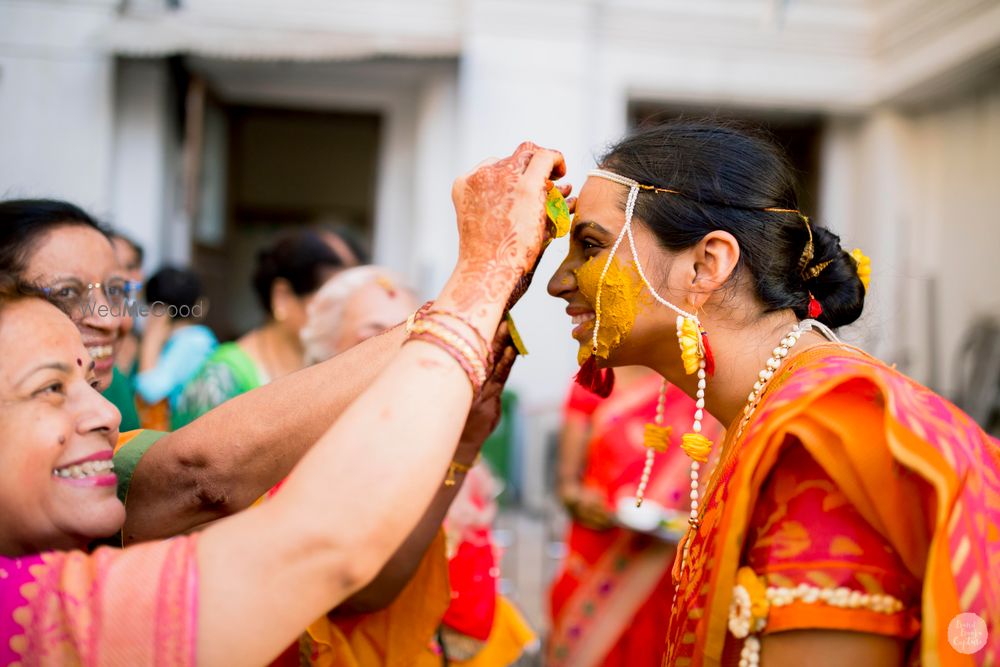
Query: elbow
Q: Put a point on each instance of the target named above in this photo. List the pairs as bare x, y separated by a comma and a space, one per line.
376, 595
212, 483
351, 560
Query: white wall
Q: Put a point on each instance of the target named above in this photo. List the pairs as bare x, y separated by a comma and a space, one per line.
56, 102
957, 212
143, 174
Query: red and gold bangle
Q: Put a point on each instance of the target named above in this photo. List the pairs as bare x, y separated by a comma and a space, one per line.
417, 314
484, 344
476, 377
483, 355
448, 335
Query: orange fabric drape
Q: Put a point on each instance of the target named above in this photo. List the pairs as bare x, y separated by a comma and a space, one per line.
399, 635
881, 438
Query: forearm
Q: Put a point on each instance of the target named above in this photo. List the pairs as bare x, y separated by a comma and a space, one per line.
226, 459
149, 353
483, 418
379, 467
572, 454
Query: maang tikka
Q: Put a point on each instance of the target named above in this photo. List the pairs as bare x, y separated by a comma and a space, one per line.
696, 355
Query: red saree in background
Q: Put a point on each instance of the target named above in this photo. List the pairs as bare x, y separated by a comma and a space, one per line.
610, 602
850, 475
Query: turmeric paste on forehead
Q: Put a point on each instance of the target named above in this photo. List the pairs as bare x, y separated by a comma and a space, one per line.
619, 302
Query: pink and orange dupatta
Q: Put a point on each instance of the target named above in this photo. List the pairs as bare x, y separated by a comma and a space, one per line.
869, 428
111, 607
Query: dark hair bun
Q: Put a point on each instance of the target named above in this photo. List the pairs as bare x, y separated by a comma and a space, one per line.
837, 287
302, 258
726, 178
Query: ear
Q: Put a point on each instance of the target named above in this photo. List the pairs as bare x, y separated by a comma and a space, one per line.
281, 296
716, 257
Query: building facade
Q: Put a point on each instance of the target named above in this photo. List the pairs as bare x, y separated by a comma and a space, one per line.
201, 126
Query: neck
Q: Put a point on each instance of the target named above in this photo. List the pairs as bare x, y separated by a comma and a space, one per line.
62, 542
282, 349
741, 352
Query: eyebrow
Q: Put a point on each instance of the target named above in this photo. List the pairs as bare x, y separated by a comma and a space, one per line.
54, 365
583, 225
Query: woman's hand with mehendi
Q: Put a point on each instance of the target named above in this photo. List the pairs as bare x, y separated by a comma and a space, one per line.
502, 223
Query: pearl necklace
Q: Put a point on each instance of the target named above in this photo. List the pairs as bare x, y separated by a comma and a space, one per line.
763, 379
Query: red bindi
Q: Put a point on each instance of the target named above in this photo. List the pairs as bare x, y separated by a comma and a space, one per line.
79, 362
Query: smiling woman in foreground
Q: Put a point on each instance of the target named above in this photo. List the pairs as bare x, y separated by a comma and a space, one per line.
217, 598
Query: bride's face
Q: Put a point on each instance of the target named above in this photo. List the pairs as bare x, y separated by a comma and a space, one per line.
634, 328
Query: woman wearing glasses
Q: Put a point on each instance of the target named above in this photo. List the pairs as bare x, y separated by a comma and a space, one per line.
226, 459
57, 247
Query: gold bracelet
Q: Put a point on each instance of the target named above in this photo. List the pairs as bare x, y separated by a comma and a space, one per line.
458, 468
447, 335
419, 312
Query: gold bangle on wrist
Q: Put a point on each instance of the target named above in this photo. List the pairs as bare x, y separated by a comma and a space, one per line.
456, 468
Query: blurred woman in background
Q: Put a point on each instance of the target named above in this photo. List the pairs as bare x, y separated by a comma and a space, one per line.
130, 256
287, 275
614, 567
477, 627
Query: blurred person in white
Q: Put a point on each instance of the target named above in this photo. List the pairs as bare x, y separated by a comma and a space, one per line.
218, 598
479, 628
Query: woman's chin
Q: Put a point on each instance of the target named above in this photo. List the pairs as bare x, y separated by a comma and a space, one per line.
99, 520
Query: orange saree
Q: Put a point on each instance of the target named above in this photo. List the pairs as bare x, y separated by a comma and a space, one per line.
861, 501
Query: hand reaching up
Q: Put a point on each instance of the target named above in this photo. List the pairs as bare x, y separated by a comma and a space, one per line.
502, 225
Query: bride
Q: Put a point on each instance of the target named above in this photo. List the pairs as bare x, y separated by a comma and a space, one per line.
853, 513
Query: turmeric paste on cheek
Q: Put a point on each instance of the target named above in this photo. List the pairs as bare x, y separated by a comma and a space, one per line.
619, 303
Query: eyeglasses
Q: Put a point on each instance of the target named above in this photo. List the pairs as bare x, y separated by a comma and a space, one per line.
74, 297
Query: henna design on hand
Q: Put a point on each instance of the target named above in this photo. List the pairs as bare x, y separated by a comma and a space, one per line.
501, 218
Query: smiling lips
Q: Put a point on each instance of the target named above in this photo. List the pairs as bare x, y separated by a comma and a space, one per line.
84, 470
580, 318
97, 469
99, 352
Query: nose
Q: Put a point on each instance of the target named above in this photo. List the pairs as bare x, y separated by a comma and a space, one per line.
97, 413
562, 284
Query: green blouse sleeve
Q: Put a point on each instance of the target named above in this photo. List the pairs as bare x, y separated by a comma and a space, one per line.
127, 458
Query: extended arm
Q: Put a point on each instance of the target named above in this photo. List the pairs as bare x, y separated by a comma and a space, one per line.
224, 460
267, 572
583, 504
483, 418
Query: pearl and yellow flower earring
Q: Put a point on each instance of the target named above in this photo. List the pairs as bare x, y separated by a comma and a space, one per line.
695, 354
